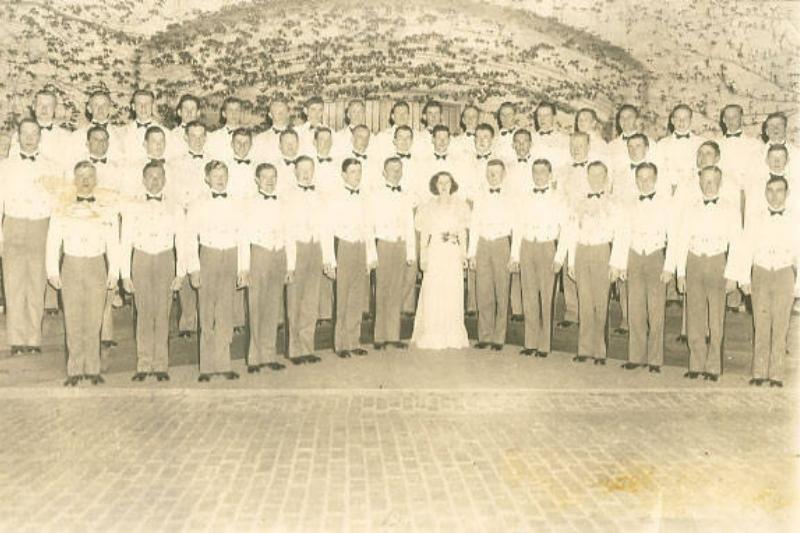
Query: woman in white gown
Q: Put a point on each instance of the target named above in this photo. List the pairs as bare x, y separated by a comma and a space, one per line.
442, 223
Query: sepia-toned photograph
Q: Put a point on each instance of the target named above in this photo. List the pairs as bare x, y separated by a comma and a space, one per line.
399, 266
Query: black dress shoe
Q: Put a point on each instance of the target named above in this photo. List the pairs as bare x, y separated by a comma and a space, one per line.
565, 324
252, 369
379, 346
481, 345
343, 354
600, 361
298, 360
527, 351
655, 369
708, 376
360, 351
17, 349
139, 376
230, 375
204, 377
497, 347
708, 339
72, 381
517, 318
630, 366
162, 376
580, 358
311, 358
275, 366
776, 383
400, 345
471, 314
108, 344
540, 353
33, 349
691, 375
96, 379
185, 334
756, 382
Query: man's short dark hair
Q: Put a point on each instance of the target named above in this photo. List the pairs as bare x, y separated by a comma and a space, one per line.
265, 166
242, 132
713, 144
496, 163
187, 98
485, 127
28, 120
393, 159
397, 105
152, 130
214, 165
543, 162
403, 128
595, 164
195, 124
350, 161
153, 164
646, 165
428, 105
96, 129
523, 131
440, 128
641, 136
778, 179
778, 148
321, 129
287, 132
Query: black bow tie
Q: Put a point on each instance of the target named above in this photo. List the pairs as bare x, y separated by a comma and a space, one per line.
96, 160
643, 197
142, 125
241, 161
506, 132
352, 191
324, 159
681, 135
469, 134
540, 190
268, 196
494, 190
276, 131
394, 188
103, 125
155, 197
440, 157
196, 156
781, 143
595, 194
89, 199
522, 160
288, 162
711, 201
779, 212
307, 188
581, 164
403, 156
219, 194
159, 160
774, 176
49, 127
360, 156
737, 134
28, 157
626, 137
484, 156
634, 165
541, 132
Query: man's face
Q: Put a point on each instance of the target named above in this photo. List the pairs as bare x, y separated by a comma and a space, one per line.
682, 120
154, 180
507, 117
393, 172
522, 145
483, 141
545, 118
355, 113
433, 116
402, 141
279, 111
267, 180
352, 176
637, 149
196, 139
233, 114
241, 145
143, 107
646, 180
323, 142
188, 111
732, 118
217, 179
441, 141
541, 176
776, 195
314, 113
495, 175
627, 120
706, 156
776, 161
401, 116
98, 143
470, 118
288, 145
586, 122
579, 148
155, 145
85, 181
29, 135
709, 183
361, 139
100, 108
45, 108
776, 129
597, 178
304, 172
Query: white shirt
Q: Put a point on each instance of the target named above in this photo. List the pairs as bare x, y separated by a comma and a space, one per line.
216, 223
769, 241
646, 224
624, 174
266, 145
740, 156
305, 135
552, 146
218, 143
110, 171
392, 216
307, 220
84, 230
591, 221
676, 159
25, 186
538, 217
267, 225
343, 140
519, 172
704, 230
188, 181
242, 176
152, 227
131, 137
349, 214
116, 148
52, 143
492, 217
327, 172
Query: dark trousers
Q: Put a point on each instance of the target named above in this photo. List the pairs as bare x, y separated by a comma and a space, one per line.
647, 299
265, 299
705, 311
351, 285
84, 294
188, 299
218, 271
389, 289
591, 277
303, 296
773, 296
492, 284
538, 284
152, 277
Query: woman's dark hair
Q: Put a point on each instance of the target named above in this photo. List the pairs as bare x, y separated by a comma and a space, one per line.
435, 180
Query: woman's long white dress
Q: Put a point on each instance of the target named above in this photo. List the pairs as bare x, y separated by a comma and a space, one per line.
439, 321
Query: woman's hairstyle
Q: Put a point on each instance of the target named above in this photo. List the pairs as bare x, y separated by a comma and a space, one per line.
435, 180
